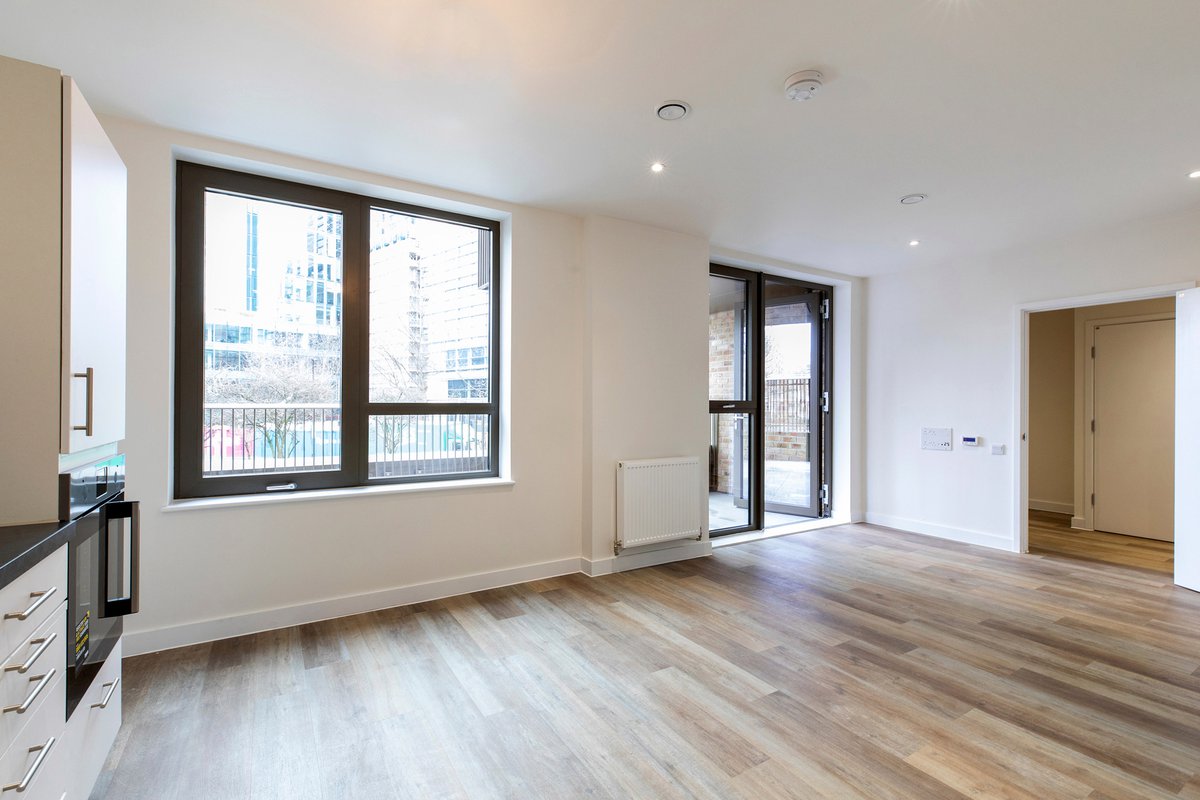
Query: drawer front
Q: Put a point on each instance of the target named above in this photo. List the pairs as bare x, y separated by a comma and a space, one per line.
92, 729
45, 779
29, 600
29, 673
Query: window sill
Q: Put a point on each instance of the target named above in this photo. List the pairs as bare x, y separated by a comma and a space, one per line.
202, 503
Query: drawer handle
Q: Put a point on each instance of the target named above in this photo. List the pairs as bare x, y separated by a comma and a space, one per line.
112, 687
44, 643
42, 682
42, 750
40, 597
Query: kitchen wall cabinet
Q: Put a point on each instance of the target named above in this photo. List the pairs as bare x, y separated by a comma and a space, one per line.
93, 275
62, 240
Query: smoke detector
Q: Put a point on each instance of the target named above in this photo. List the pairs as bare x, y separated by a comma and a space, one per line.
802, 85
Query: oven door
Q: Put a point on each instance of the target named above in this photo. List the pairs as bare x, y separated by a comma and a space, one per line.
102, 568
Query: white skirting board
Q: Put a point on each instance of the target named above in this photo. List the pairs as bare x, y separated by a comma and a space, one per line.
1052, 506
149, 641
680, 551
997, 541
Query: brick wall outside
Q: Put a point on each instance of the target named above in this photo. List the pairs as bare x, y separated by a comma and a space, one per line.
720, 384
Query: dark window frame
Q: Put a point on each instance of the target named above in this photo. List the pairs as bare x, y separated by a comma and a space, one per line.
192, 182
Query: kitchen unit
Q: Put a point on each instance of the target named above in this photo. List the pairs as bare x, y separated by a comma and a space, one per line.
63, 207
68, 545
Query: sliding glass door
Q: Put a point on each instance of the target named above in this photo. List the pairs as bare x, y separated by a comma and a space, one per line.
768, 400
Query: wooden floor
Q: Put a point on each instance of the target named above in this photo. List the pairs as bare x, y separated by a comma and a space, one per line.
844, 663
1052, 535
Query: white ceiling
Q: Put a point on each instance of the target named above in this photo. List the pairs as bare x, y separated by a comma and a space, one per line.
1022, 119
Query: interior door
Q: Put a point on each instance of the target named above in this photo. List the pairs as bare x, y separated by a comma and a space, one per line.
1135, 429
1187, 433
792, 414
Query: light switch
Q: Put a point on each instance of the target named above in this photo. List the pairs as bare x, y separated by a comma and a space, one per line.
997, 449
937, 439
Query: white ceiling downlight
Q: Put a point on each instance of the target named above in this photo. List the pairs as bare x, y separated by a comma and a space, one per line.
657, 166
1195, 174
914, 243
802, 85
673, 110
912, 199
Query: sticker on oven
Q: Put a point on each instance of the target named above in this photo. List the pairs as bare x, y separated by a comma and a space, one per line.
81, 637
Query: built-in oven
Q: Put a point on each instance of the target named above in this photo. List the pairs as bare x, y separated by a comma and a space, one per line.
102, 567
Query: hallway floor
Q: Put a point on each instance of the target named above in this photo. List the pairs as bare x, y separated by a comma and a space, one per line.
1052, 535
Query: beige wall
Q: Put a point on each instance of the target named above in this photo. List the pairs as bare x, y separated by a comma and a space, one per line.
1052, 411
646, 359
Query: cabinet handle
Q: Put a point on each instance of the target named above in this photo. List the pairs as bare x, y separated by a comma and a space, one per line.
27, 613
89, 375
112, 687
42, 682
45, 642
42, 750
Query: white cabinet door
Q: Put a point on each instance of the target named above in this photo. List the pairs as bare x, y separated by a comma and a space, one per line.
93, 269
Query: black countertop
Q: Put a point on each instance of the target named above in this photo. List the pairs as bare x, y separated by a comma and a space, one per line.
22, 546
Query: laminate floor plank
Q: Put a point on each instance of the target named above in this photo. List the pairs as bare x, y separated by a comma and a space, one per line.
848, 663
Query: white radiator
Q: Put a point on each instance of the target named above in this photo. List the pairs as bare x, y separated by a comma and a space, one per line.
658, 500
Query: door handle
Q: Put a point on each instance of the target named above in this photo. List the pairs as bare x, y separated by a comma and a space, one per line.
130, 510
88, 375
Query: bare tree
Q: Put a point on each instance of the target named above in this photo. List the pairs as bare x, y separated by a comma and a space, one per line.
280, 385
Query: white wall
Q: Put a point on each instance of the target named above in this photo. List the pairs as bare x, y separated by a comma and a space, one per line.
646, 360
1052, 411
941, 351
214, 572
606, 342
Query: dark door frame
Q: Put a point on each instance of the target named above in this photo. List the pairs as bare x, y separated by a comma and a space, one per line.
821, 398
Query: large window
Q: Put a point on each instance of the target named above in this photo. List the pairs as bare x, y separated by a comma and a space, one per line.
329, 339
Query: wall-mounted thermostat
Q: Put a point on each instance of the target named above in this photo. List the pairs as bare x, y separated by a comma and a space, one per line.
937, 439
971, 441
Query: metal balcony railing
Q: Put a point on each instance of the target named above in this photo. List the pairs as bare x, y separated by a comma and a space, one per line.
249, 438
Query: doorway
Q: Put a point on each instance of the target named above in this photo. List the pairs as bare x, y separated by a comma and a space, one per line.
1100, 447
769, 352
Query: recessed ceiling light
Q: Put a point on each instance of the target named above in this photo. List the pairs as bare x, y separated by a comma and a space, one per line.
673, 110
914, 243
912, 199
1195, 174
657, 166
